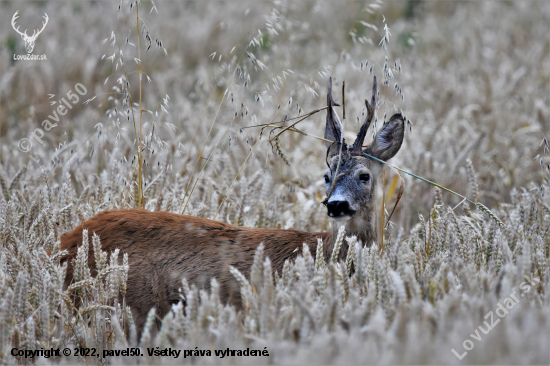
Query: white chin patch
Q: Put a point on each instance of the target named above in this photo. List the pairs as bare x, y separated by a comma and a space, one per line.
341, 219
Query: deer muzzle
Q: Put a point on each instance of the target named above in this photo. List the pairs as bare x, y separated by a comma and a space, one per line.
339, 208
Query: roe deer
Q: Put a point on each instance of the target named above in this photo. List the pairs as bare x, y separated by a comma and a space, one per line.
164, 247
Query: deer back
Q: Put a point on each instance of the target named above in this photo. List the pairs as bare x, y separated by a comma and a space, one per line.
163, 248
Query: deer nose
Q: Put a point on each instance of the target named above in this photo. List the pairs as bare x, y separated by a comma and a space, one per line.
339, 208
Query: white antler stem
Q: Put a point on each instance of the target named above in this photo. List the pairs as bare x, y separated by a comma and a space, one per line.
37, 32
13, 19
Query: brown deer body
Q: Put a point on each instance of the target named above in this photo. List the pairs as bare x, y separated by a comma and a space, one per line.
163, 247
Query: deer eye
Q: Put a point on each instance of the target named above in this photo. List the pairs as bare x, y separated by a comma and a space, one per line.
327, 179
364, 177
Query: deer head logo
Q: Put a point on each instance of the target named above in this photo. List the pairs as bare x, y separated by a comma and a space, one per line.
29, 40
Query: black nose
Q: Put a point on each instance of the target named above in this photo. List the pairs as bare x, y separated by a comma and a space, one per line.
339, 208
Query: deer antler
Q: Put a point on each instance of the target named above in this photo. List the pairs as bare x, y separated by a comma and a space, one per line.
333, 129
13, 19
35, 34
357, 145
24, 34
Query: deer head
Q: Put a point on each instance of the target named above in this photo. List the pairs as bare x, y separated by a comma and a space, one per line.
350, 181
29, 40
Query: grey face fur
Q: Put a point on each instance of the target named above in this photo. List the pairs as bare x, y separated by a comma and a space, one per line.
350, 181
351, 202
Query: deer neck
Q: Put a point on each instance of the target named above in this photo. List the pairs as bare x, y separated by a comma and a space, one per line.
362, 226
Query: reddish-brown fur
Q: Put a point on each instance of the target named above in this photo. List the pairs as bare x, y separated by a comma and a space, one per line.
163, 248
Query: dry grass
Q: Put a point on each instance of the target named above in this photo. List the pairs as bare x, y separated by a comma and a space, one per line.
474, 80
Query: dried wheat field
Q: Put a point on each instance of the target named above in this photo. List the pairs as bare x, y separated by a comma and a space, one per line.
191, 107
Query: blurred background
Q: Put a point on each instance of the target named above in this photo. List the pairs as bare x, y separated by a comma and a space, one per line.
472, 78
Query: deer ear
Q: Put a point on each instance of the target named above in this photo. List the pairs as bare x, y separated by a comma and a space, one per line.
389, 139
333, 129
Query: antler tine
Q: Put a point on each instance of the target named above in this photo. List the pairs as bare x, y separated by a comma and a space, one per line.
333, 127
13, 19
343, 100
43, 26
374, 91
329, 95
357, 145
329, 91
331, 103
